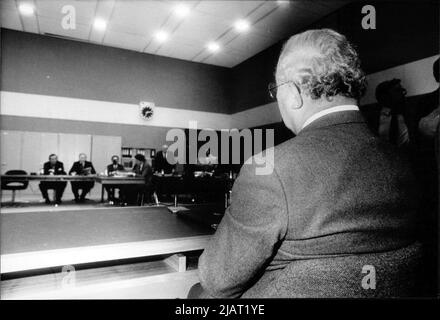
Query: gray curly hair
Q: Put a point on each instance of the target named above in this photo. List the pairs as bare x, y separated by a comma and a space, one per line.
334, 70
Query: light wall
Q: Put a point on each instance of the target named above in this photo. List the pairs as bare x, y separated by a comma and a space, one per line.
416, 77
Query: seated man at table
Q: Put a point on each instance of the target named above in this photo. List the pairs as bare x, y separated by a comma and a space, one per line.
53, 167
112, 168
141, 169
82, 168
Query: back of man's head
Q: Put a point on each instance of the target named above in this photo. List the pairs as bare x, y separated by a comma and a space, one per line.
317, 69
140, 157
329, 64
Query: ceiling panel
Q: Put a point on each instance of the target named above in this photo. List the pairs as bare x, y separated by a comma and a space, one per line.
9, 4
84, 10
124, 40
48, 25
131, 24
227, 10
139, 17
202, 27
247, 43
178, 50
224, 59
30, 24
11, 18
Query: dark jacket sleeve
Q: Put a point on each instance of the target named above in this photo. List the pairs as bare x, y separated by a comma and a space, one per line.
247, 237
147, 173
74, 168
93, 171
158, 161
46, 167
60, 171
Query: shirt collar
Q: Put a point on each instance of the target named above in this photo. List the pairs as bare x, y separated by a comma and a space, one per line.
320, 114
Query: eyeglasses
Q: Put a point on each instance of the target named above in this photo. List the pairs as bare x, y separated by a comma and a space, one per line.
273, 88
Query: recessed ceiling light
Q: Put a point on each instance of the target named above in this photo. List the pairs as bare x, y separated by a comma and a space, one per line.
213, 47
100, 24
241, 25
181, 10
161, 36
283, 2
26, 9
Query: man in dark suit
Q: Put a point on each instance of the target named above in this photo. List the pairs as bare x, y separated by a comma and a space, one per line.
53, 167
335, 214
141, 169
82, 168
393, 119
112, 168
161, 164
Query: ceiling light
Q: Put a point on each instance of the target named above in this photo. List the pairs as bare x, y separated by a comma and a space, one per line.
282, 2
100, 24
26, 9
161, 36
241, 25
213, 47
181, 10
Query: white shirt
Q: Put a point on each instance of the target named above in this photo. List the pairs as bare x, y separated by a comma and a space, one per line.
320, 114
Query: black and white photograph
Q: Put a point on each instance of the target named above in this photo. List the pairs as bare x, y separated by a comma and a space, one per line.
219, 155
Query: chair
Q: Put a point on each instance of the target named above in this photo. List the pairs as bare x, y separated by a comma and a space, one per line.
14, 185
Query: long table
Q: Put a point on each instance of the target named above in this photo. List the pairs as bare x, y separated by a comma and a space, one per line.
51, 178
178, 185
37, 245
174, 185
103, 180
117, 181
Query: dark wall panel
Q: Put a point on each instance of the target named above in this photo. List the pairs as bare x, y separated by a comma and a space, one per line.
58, 67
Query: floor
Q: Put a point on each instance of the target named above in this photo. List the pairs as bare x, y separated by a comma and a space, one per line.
136, 280
32, 202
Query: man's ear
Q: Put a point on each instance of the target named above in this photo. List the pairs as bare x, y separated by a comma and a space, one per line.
296, 95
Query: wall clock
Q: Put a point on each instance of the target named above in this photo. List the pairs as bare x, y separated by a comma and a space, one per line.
146, 110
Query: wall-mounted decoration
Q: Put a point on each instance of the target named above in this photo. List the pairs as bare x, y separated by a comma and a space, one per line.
146, 110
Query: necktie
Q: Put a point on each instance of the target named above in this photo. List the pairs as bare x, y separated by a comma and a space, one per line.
394, 128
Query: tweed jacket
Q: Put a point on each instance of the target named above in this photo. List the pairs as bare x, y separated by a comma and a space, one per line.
338, 198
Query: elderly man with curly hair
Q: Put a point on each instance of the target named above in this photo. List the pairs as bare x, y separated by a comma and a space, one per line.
335, 217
